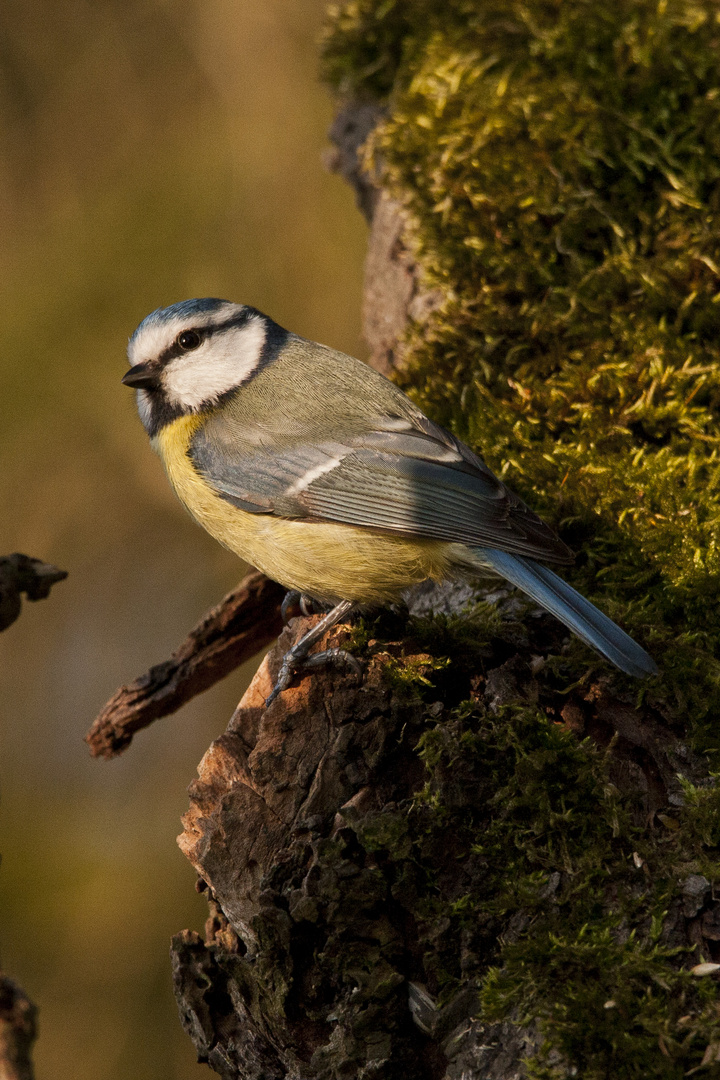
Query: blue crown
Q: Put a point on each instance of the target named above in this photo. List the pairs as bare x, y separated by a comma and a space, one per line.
183, 310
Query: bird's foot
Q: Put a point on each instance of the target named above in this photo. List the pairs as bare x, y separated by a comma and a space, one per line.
329, 657
297, 657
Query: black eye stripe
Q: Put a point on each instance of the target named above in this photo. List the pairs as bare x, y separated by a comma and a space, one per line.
203, 333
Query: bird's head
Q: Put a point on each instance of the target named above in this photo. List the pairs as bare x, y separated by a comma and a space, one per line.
185, 358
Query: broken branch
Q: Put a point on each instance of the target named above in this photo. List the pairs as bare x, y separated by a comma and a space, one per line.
242, 624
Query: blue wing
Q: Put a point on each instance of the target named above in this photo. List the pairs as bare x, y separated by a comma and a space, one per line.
407, 476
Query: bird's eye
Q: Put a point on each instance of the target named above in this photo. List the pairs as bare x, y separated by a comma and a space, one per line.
189, 339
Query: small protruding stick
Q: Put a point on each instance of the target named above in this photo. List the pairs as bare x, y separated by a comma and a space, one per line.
242, 624
23, 574
18, 1029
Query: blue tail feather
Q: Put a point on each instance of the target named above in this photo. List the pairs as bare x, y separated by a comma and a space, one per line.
572, 609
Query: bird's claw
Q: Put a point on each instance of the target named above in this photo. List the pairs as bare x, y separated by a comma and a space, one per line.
277, 689
297, 656
334, 656
291, 665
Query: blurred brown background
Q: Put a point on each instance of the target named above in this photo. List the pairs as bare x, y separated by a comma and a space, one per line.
152, 150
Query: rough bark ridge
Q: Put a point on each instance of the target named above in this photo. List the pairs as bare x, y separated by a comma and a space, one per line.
312, 945
393, 291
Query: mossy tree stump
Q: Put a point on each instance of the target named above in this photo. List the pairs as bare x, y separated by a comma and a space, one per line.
498, 857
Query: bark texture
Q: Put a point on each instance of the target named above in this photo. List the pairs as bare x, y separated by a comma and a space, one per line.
393, 291
311, 949
325, 937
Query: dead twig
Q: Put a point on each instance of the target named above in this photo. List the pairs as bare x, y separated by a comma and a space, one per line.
242, 624
23, 574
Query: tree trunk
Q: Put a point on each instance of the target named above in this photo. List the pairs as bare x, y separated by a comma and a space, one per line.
493, 858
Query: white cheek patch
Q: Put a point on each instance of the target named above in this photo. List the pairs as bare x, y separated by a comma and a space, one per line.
221, 363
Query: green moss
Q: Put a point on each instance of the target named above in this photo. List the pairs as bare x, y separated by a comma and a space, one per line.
611, 1007
414, 674
560, 164
548, 804
559, 920
699, 833
431, 656
363, 44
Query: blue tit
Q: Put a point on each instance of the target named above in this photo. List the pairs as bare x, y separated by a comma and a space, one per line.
323, 474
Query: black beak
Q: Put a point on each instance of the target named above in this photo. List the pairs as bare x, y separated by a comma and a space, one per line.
140, 377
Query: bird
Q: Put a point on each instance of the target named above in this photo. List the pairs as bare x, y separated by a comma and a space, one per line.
322, 473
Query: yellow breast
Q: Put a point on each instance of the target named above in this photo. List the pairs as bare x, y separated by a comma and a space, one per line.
325, 560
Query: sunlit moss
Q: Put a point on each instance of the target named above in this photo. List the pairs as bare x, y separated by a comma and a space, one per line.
560, 166
560, 163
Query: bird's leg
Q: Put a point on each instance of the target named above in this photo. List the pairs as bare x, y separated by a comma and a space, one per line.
297, 656
307, 605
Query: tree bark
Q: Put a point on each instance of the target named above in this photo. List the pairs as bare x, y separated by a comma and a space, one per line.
393, 290
314, 962
244, 622
310, 962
